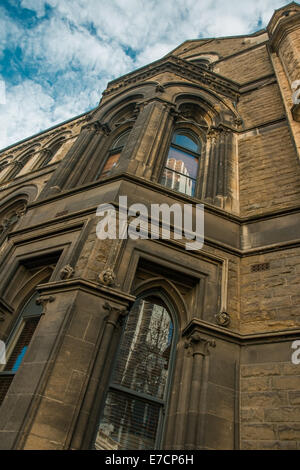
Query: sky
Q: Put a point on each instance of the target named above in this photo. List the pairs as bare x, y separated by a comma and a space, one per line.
57, 56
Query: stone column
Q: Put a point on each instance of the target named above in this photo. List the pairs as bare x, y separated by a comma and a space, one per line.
85, 168
96, 392
198, 349
188, 403
67, 166
284, 32
217, 187
145, 141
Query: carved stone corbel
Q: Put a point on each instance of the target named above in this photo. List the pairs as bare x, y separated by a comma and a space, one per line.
223, 319
107, 277
159, 88
66, 272
43, 300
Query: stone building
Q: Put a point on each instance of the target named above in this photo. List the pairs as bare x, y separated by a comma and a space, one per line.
203, 359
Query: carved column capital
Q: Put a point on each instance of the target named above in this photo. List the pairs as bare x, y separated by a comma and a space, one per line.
116, 315
196, 344
213, 134
174, 114
43, 300
96, 126
102, 128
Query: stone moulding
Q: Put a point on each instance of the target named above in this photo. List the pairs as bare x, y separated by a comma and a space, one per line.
181, 66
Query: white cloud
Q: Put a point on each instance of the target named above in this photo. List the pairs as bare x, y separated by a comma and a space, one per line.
72, 51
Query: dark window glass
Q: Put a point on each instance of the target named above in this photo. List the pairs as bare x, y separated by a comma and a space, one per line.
137, 392
114, 154
110, 163
29, 319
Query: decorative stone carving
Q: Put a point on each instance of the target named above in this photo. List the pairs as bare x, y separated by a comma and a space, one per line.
66, 272
107, 277
43, 300
99, 127
223, 319
13, 218
116, 315
213, 134
175, 114
19, 164
179, 66
159, 88
196, 344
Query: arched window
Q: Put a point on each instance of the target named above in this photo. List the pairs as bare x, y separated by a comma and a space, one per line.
48, 153
135, 405
114, 154
181, 169
19, 164
19, 341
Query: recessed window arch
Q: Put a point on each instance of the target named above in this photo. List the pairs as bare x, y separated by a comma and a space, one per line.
114, 153
135, 405
49, 152
182, 164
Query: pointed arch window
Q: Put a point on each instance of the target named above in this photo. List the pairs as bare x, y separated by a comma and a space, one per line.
181, 168
19, 341
135, 404
114, 154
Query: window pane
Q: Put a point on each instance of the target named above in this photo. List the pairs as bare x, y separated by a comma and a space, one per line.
186, 142
110, 164
178, 182
182, 163
21, 346
143, 359
128, 423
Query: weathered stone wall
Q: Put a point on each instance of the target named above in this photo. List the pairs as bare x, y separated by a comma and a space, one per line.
270, 298
270, 399
269, 171
247, 66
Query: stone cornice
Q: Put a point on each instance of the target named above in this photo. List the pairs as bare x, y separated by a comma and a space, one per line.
236, 226
181, 67
108, 293
202, 327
